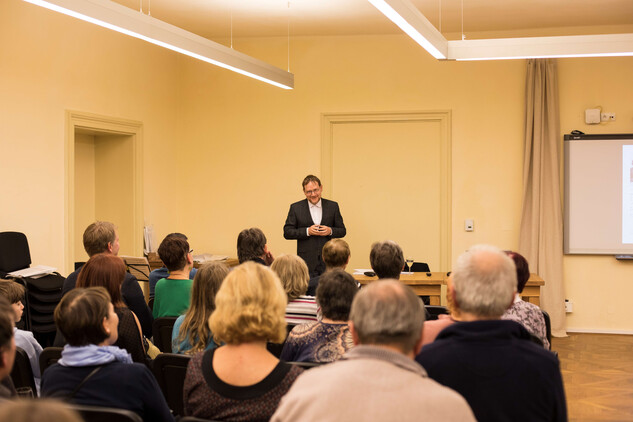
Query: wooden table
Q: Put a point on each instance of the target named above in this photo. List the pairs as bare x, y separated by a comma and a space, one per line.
431, 286
421, 284
532, 290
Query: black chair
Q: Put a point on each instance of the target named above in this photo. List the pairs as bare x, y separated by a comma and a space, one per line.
42, 294
308, 365
49, 356
161, 333
22, 373
170, 370
433, 311
150, 304
419, 267
105, 414
548, 328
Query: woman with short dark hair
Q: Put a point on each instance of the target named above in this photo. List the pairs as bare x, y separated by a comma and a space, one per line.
328, 339
91, 370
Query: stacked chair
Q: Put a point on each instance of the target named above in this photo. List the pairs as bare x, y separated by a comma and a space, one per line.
42, 294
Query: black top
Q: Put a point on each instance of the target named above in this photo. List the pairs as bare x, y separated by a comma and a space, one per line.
121, 385
132, 296
242, 393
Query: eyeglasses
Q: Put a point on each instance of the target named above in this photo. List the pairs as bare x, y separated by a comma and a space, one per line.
191, 251
313, 191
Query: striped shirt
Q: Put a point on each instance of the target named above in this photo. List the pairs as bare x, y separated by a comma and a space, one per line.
301, 310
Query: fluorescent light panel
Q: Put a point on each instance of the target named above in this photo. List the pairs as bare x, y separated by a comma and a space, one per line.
127, 21
542, 47
404, 14
410, 20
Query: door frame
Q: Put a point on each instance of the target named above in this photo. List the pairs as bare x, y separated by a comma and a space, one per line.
105, 125
443, 117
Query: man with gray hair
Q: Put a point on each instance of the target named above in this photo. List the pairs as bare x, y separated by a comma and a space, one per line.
376, 380
502, 374
103, 237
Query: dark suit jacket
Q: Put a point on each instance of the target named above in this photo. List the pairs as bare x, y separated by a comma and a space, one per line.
309, 247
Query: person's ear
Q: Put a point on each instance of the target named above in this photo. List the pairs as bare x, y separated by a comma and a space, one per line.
354, 333
110, 247
106, 328
451, 292
418, 344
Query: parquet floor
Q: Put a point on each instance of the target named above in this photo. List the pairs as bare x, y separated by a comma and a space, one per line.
598, 375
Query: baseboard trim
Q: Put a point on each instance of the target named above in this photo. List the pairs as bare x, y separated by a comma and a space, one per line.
598, 331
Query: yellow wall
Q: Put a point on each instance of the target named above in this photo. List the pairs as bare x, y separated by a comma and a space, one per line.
599, 286
223, 152
50, 63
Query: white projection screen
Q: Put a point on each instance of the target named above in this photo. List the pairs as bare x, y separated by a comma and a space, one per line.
599, 194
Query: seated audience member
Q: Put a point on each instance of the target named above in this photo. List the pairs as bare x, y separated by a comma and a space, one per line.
293, 273
251, 246
241, 380
173, 293
163, 272
102, 237
502, 374
526, 313
7, 350
433, 327
335, 254
37, 411
377, 380
191, 332
108, 271
14, 293
93, 372
386, 259
328, 339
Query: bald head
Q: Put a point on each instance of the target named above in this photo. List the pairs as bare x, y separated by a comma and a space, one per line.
484, 280
388, 313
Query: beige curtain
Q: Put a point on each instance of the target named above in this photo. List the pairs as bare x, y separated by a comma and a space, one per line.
541, 235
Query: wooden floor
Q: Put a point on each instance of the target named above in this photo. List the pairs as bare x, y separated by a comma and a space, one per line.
598, 375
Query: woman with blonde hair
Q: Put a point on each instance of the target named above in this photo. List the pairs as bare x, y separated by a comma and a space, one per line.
293, 273
191, 332
242, 380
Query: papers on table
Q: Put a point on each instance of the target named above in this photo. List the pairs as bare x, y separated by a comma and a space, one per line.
33, 272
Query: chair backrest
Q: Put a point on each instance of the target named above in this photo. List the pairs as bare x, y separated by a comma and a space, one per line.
170, 370
548, 328
434, 311
420, 267
105, 414
161, 332
49, 356
14, 252
22, 374
308, 365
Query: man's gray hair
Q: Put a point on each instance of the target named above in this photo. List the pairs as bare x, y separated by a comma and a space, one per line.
485, 281
388, 312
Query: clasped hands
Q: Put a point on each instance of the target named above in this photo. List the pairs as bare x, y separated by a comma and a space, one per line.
318, 230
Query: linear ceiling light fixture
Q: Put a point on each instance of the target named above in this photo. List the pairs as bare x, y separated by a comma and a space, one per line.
404, 14
410, 20
130, 22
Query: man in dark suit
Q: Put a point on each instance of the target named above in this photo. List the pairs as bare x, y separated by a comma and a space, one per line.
312, 222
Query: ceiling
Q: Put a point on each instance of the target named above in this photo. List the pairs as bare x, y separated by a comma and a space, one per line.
506, 18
